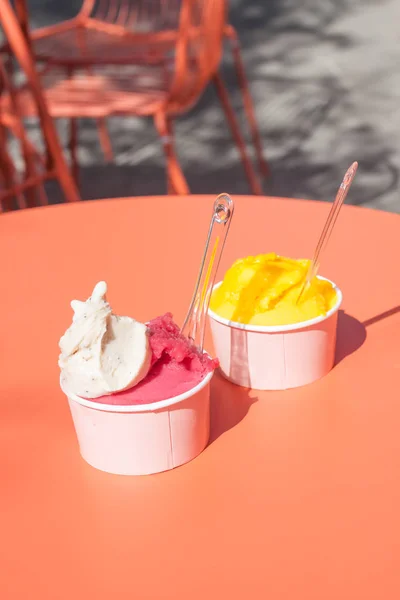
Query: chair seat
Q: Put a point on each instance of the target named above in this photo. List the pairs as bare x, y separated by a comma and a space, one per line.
92, 43
96, 95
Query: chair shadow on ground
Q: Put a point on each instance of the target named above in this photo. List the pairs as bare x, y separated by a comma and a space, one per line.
230, 403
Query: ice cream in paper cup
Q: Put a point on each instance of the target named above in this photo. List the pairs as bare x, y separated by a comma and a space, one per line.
264, 340
139, 393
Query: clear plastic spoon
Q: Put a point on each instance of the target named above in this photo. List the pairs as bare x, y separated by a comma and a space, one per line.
328, 227
194, 325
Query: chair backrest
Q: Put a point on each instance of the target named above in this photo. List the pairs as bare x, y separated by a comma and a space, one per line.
146, 16
199, 25
37, 168
198, 50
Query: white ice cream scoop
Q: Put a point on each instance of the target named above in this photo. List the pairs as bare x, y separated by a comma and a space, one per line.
102, 353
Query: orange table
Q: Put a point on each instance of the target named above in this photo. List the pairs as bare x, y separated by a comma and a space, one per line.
297, 496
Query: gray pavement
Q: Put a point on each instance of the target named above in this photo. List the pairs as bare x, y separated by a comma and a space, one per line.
325, 78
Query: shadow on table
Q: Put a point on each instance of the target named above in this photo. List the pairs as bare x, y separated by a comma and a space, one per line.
351, 334
385, 315
230, 403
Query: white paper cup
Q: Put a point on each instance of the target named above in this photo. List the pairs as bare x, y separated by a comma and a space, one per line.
143, 439
276, 357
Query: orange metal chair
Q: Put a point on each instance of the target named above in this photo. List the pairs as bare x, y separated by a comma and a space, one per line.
27, 188
138, 32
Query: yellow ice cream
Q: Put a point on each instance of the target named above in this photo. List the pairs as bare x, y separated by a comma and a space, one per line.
263, 290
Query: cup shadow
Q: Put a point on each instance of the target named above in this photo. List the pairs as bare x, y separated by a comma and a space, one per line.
351, 334
229, 404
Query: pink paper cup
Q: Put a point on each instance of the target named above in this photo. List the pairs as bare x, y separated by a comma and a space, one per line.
276, 357
143, 439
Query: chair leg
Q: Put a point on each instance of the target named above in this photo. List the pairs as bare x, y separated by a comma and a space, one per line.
237, 136
67, 182
170, 188
8, 173
105, 140
8, 169
247, 100
31, 194
7, 176
55, 158
73, 141
59, 165
175, 178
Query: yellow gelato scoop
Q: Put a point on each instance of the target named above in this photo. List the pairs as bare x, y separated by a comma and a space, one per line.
263, 290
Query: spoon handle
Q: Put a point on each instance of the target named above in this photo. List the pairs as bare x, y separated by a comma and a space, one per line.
329, 225
195, 322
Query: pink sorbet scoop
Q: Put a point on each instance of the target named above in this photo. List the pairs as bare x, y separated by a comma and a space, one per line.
177, 366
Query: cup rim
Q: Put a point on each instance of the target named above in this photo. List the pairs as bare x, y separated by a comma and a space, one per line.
139, 408
281, 328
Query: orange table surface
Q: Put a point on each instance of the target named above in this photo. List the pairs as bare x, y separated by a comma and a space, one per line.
297, 495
